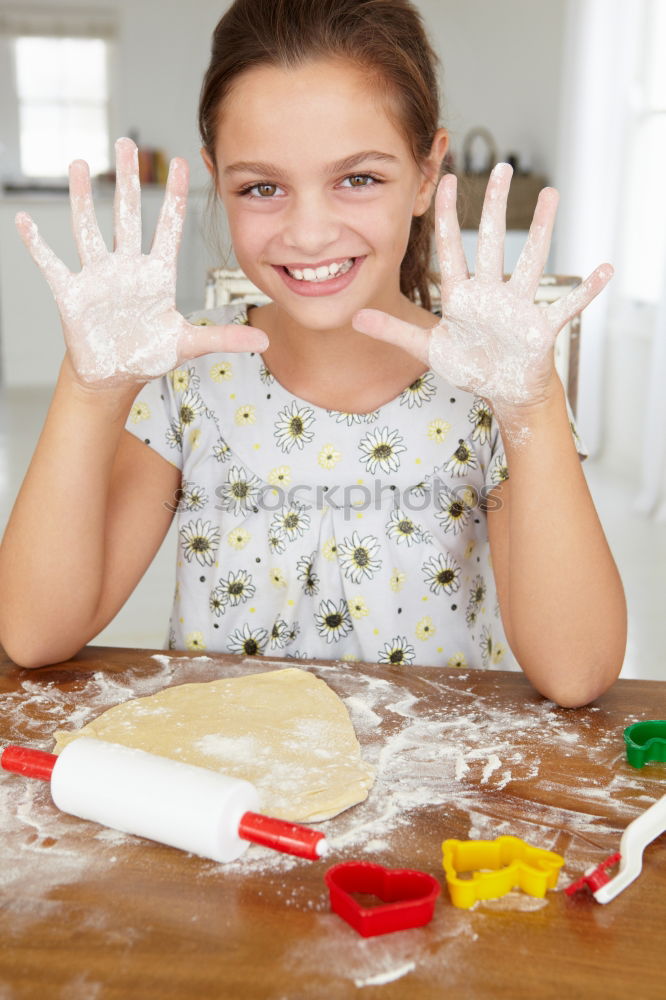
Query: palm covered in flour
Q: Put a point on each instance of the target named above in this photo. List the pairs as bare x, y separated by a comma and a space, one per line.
118, 313
493, 339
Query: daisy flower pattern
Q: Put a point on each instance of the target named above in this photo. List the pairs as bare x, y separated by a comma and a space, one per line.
191, 406
358, 557
290, 522
306, 574
139, 412
438, 429
425, 628
380, 448
193, 497
462, 460
482, 418
195, 640
357, 607
265, 375
238, 538
442, 574
245, 416
199, 541
346, 418
222, 371
402, 528
240, 491
248, 641
277, 577
453, 513
477, 594
279, 634
180, 379
499, 470
236, 588
491, 652
275, 550
329, 457
330, 549
276, 542
398, 650
281, 476
333, 620
174, 435
292, 426
420, 391
221, 450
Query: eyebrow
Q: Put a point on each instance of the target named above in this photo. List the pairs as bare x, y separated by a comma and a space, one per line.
349, 162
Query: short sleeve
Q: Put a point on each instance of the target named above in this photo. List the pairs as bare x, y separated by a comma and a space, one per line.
497, 470
154, 419
163, 409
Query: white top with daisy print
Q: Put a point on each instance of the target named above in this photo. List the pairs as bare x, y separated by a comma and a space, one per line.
312, 533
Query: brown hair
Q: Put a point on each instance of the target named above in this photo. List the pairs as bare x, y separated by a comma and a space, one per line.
385, 38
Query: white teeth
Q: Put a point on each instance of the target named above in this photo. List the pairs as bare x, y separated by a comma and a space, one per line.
323, 273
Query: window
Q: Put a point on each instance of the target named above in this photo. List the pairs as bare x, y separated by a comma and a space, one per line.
63, 99
643, 269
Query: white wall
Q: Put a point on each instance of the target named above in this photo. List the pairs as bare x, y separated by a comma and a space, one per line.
501, 62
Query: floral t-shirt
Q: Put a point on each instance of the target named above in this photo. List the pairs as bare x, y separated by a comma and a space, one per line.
312, 533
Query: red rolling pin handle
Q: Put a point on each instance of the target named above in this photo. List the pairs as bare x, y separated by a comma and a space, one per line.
282, 836
32, 763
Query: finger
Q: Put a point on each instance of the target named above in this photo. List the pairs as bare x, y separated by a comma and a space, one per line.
56, 273
382, 326
452, 260
492, 228
172, 214
88, 238
194, 341
127, 202
527, 274
563, 310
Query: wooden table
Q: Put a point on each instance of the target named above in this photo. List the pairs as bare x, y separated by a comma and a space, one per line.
88, 913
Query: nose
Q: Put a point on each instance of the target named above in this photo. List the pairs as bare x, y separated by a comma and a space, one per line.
310, 225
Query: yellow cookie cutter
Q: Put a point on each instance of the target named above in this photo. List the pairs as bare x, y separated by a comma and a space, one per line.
497, 867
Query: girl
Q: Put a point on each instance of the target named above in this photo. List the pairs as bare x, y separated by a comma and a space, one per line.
346, 464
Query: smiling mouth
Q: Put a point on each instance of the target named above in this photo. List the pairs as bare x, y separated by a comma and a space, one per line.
323, 272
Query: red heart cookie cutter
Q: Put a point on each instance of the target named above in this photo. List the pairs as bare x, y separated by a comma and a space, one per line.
408, 896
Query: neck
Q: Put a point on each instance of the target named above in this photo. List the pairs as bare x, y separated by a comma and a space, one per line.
338, 367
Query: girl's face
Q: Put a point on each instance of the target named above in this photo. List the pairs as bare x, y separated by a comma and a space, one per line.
314, 176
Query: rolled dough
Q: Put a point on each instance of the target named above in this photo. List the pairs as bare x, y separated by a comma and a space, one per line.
285, 730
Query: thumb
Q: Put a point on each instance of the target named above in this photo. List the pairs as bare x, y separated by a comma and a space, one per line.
197, 340
382, 326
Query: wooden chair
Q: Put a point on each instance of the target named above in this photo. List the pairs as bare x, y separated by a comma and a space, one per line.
224, 285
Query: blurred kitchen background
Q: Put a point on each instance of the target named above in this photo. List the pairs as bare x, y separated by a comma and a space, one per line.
573, 92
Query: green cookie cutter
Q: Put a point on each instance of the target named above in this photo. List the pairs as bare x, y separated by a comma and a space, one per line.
646, 741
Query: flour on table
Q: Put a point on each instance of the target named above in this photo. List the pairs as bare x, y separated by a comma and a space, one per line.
284, 730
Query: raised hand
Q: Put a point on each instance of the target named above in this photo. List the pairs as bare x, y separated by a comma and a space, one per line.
492, 339
118, 313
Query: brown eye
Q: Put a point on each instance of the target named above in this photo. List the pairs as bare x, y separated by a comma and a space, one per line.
265, 189
361, 178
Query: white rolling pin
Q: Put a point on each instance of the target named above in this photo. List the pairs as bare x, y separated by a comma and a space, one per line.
188, 807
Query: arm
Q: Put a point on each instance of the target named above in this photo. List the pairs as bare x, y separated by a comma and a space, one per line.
86, 524
91, 514
560, 596
559, 590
